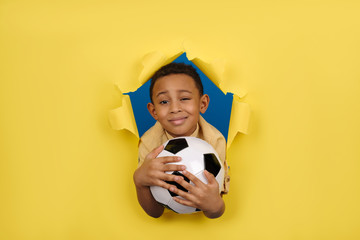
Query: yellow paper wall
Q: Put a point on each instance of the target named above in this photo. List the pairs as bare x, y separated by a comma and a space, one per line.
65, 174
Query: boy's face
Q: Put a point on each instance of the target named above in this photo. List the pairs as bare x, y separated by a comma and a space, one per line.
177, 104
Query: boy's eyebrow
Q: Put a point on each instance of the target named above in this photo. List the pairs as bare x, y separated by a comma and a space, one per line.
188, 91
164, 92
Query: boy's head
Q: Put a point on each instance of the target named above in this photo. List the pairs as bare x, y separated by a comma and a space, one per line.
177, 98
176, 68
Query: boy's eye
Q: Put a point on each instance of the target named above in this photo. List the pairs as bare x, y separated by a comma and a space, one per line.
164, 102
185, 99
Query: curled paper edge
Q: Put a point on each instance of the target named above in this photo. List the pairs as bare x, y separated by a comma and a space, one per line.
122, 118
153, 61
239, 119
214, 69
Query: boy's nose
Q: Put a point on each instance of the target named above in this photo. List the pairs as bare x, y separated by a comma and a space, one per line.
175, 107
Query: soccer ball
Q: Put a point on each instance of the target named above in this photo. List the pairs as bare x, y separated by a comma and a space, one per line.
196, 155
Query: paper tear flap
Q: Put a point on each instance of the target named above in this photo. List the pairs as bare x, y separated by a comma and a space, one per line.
122, 117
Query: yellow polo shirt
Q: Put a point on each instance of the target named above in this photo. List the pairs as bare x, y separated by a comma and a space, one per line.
157, 135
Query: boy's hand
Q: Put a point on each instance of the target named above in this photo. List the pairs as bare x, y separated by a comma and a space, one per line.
202, 196
152, 171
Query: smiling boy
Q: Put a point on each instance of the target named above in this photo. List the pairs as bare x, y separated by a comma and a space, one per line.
177, 99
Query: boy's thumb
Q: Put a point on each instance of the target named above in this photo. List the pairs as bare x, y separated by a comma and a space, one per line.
156, 151
210, 177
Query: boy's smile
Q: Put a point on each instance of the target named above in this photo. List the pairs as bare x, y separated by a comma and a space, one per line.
177, 104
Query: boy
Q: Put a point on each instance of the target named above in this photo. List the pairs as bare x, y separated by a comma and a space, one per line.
177, 100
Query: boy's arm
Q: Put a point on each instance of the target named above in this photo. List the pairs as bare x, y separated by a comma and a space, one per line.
147, 201
219, 210
152, 173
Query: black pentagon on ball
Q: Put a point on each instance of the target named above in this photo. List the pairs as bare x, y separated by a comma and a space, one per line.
211, 163
176, 145
176, 184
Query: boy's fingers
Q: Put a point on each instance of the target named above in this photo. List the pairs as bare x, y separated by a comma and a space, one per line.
163, 184
157, 150
187, 198
185, 184
184, 202
173, 167
192, 178
210, 177
170, 159
153, 154
169, 178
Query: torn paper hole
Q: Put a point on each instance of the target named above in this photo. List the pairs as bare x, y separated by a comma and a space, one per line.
226, 112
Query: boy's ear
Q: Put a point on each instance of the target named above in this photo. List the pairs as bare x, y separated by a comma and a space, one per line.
152, 111
204, 103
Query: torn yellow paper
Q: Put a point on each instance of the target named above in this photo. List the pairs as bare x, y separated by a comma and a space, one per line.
239, 119
214, 70
152, 62
122, 118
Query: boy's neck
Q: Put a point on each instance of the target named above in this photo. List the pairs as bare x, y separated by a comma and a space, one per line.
194, 134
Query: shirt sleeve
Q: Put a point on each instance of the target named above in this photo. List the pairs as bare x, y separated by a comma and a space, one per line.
149, 141
210, 134
142, 153
221, 150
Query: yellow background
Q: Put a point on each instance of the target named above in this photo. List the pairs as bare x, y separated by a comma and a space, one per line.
65, 174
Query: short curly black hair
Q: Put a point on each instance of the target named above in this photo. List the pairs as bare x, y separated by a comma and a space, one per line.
177, 68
